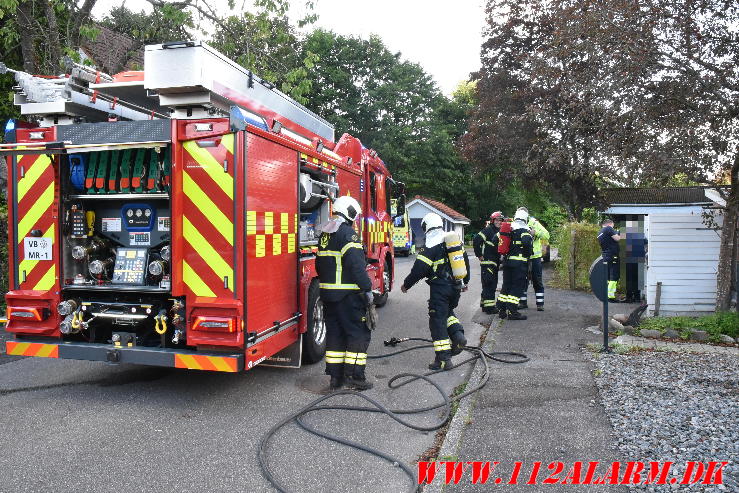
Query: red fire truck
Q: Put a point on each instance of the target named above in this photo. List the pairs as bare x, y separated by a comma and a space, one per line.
169, 217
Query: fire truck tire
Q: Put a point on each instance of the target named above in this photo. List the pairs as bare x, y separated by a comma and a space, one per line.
314, 339
381, 300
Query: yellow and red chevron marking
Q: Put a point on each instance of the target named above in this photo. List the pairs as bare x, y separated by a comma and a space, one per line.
378, 231
211, 363
208, 219
274, 233
36, 194
32, 349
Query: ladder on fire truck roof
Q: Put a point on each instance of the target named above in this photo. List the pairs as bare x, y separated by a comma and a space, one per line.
181, 80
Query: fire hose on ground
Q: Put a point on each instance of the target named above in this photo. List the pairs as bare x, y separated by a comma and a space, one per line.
395, 382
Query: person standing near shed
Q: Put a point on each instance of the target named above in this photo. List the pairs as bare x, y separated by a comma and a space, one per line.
608, 238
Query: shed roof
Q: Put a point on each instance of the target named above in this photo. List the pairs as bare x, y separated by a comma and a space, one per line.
666, 195
443, 208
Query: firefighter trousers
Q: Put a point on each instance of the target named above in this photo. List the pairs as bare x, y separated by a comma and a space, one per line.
514, 283
489, 278
347, 336
537, 279
614, 274
443, 323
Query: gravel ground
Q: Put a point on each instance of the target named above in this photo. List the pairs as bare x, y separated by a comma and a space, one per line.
675, 407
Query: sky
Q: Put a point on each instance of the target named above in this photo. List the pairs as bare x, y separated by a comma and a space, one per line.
443, 37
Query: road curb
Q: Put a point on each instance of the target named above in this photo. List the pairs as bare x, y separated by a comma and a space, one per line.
455, 431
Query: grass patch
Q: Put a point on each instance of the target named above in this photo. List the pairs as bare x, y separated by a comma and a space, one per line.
715, 324
458, 390
615, 347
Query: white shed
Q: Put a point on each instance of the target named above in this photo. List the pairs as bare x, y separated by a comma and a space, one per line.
420, 206
680, 257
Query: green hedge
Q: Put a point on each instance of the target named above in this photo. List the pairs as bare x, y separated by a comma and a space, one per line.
586, 250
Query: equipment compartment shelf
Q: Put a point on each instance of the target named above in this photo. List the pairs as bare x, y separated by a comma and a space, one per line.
121, 196
116, 288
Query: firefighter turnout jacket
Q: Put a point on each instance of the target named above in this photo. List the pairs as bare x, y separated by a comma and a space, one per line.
522, 245
485, 244
341, 266
486, 248
540, 234
447, 332
516, 268
432, 263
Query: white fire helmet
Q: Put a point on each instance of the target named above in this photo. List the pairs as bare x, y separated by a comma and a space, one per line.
522, 214
431, 221
347, 207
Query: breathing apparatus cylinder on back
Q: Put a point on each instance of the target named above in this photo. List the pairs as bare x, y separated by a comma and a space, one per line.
504, 245
455, 251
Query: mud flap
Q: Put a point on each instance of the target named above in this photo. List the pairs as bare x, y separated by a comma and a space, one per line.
290, 357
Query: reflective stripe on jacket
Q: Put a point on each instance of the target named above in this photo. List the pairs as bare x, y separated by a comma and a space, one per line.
341, 264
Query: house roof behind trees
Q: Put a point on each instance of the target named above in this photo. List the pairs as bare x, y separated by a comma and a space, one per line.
666, 195
443, 208
113, 52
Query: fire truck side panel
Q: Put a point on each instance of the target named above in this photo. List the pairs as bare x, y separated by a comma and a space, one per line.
206, 232
271, 241
205, 216
34, 241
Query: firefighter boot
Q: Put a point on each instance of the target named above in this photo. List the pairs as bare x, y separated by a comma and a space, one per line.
458, 342
336, 384
523, 305
502, 312
354, 383
354, 377
441, 364
490, 310
442, 361
514, 315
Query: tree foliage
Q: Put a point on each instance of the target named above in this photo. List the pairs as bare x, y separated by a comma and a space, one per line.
639, 91
164, 23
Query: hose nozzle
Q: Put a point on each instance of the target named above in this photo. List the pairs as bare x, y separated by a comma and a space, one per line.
394, 341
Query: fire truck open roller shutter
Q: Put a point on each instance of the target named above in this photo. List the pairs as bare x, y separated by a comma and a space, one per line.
23, 149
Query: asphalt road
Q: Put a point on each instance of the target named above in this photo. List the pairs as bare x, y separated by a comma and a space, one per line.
84, 426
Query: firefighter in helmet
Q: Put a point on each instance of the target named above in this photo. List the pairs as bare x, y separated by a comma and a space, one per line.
516, 267
539, 233
346, 292
486, 250
432, 263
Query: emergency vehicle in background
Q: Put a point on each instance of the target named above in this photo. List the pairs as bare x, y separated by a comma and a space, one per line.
402, 232
169, 217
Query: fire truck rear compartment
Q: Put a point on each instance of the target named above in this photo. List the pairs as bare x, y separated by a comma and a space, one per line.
115, 223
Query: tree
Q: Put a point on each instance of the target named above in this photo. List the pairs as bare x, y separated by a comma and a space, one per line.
268, 45
534, 121
639, 91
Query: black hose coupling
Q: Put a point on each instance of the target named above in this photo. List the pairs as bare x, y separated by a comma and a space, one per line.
394, 341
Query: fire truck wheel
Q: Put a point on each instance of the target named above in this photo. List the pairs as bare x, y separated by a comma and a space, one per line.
380, 300
314, 340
